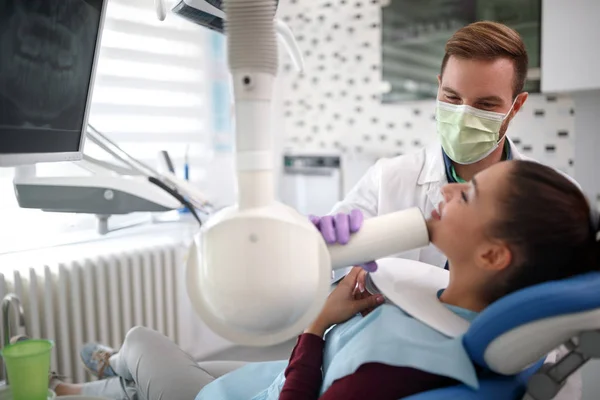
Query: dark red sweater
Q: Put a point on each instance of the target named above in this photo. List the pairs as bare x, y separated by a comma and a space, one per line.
372, 381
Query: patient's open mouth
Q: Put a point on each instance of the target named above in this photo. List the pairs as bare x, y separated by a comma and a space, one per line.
437, 213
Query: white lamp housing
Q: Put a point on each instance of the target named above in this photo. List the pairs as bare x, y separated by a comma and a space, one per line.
259, 272
260, 276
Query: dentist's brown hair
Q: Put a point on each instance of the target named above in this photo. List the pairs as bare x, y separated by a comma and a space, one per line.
488, 40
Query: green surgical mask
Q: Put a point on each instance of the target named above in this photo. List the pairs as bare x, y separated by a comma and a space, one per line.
468, 134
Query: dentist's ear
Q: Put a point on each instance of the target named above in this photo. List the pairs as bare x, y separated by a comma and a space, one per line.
519, 101
518, 104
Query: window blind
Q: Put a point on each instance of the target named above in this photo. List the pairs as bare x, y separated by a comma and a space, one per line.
152, 90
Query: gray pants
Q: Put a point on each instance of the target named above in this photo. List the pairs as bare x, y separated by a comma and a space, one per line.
151, 367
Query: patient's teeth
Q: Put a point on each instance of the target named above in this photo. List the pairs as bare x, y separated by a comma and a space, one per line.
64, 59
30, 46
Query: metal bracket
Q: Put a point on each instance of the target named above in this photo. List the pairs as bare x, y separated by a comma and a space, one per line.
8, 301
549, 380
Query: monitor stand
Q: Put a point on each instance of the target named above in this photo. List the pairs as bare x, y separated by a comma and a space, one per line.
101, 195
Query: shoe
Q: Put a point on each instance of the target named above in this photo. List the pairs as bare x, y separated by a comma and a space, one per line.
96, 358
54, 380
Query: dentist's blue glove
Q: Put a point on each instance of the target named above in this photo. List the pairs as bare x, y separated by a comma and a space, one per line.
339, 228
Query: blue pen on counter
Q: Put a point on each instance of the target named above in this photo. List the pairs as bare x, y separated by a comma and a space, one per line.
186, 175
186, 166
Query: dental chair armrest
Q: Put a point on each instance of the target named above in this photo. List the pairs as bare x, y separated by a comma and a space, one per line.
561, 380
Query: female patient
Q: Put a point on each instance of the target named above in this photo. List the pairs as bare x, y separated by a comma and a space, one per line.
514, 225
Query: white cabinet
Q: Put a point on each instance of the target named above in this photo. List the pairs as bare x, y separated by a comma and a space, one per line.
311, 183
570, 45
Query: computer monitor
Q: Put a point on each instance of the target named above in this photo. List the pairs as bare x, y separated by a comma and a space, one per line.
48, 55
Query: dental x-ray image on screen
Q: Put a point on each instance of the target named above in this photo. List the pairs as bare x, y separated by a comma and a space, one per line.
47, 50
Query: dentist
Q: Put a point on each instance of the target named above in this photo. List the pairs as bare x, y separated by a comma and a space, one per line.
481, 84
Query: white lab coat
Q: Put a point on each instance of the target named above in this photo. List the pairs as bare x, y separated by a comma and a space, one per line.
415, 180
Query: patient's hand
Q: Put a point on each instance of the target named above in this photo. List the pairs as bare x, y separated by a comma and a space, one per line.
341, 305
360, 291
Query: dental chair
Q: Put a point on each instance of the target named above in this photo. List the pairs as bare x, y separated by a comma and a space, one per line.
511, 338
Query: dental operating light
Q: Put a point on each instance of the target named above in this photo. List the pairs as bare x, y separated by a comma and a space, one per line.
259, 272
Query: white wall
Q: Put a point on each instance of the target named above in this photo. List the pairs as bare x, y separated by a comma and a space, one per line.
587, 156
587, 142
335, 105
570, 34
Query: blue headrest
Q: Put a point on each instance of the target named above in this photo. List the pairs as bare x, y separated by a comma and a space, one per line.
551, 299
493, 387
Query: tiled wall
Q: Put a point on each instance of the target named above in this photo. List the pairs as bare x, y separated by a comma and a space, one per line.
335, 105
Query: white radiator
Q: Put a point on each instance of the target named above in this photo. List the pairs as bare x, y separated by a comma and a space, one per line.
98, 298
